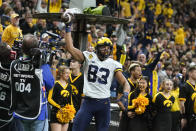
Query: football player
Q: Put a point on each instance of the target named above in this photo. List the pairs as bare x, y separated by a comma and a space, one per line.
99, 71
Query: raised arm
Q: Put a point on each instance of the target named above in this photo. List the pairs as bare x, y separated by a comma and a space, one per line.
76, 53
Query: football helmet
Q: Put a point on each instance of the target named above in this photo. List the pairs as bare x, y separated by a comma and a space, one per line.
103, 48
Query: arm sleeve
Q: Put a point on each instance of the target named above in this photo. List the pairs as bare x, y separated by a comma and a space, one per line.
47, 77
50, 100
154, 63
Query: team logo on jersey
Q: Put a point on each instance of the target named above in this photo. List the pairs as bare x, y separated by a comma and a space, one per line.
23, 67
167, 103
90, 56
65, 93
74, 90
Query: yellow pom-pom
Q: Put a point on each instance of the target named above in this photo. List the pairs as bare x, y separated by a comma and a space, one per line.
139, 104
66, 114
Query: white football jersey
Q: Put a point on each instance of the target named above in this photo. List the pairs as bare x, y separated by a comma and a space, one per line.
98, 75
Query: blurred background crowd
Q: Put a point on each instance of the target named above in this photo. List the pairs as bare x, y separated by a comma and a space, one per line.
161, 33
153, 24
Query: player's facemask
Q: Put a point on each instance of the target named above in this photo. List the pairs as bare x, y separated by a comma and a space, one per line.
103, 48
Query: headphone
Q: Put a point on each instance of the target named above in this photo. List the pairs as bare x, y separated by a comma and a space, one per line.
12, 55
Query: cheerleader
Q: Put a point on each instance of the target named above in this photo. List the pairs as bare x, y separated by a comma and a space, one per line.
139, 102
176, 106
163, 102
60, 98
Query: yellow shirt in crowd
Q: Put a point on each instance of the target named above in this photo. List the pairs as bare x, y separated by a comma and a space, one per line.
158, 9
176, 105
1, 29
180, 36
10, 34
141, 5
126, 8
55, 7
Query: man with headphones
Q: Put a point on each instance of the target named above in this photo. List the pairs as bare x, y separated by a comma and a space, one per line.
29, 85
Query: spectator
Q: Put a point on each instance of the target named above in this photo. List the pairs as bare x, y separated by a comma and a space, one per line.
5, 18
41, 6
149, 70
18, 8
12, 32
55, 6
40, 26
169, 72
27, 26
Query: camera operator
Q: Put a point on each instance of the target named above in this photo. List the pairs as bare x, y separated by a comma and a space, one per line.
29, 85
6, 119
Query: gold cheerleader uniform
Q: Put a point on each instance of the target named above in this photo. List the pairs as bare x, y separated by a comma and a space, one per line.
163, 118
59, 96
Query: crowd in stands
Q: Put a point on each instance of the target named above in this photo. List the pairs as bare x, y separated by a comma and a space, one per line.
160, 39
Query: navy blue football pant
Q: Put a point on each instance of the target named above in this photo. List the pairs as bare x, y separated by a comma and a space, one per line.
99, 108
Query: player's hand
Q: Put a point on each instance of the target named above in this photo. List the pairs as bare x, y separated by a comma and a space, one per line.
67, 17
69, 13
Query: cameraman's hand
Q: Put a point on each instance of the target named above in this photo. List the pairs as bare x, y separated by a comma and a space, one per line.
54, 62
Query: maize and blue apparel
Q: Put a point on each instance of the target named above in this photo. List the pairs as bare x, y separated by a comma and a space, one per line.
98, 76
148, 70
